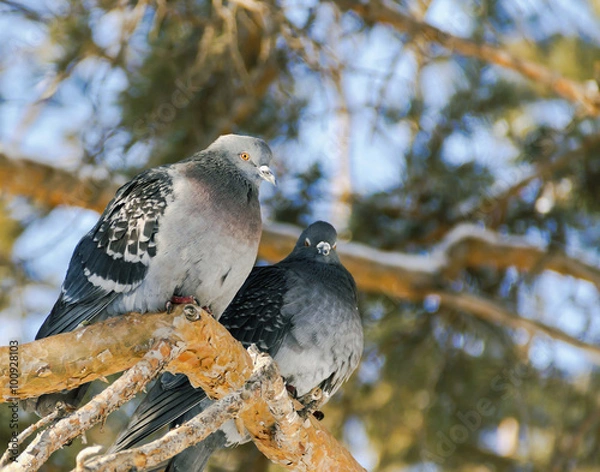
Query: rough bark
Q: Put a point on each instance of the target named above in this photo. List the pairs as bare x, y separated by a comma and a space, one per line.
193, 431
96, 410
268, 413
114, 345
199, 347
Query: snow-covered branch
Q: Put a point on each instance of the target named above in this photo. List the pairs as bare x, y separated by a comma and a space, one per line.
413, 276
398, 275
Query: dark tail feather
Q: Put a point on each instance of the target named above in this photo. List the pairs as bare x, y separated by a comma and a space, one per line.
162, 406
194, 458
46, 404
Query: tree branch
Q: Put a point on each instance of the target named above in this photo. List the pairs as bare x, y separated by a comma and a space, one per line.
282, 435
489, 311
114, 345
501, 192
398, 275
203, 350
415, 277
97, 409
51, 186
42, 423
412, 277
377, 12
191, 432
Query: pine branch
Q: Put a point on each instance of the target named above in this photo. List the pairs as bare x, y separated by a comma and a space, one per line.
268, 412
96, 410
398, 275
503, 191
189, 341
493, 312
412, 277
415, 277
377, 12
191, 432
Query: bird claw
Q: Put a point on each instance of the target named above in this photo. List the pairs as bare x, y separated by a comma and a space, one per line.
311, 409
177, 300
292, 391
311, 401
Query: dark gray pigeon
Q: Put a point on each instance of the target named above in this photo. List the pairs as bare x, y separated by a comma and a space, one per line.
302, 311
188, 229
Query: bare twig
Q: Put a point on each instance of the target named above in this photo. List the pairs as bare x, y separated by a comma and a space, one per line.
490, 311
42, 423
120, 392
190, 433
377, 12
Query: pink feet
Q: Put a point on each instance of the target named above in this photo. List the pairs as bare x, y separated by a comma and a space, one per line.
178, 300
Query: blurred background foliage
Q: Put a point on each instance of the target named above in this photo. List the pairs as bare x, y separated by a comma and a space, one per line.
387, 133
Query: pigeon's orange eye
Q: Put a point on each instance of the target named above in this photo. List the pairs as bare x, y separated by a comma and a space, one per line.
245, 156
307, 242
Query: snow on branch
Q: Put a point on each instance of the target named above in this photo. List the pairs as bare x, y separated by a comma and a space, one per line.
413, 276
188, 341
398, 275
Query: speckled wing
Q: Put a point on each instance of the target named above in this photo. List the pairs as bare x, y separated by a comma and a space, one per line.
254, 317
113, 257
255, 314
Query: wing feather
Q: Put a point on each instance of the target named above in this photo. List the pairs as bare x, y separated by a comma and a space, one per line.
253, 317
113, 257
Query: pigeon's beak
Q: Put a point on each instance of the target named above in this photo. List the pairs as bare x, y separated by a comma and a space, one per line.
324, 248
266, 173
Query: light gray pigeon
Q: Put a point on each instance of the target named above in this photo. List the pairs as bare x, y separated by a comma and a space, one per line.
302, 311
175, 232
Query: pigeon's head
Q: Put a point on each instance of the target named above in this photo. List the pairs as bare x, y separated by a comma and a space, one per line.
318, 241
251, 155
